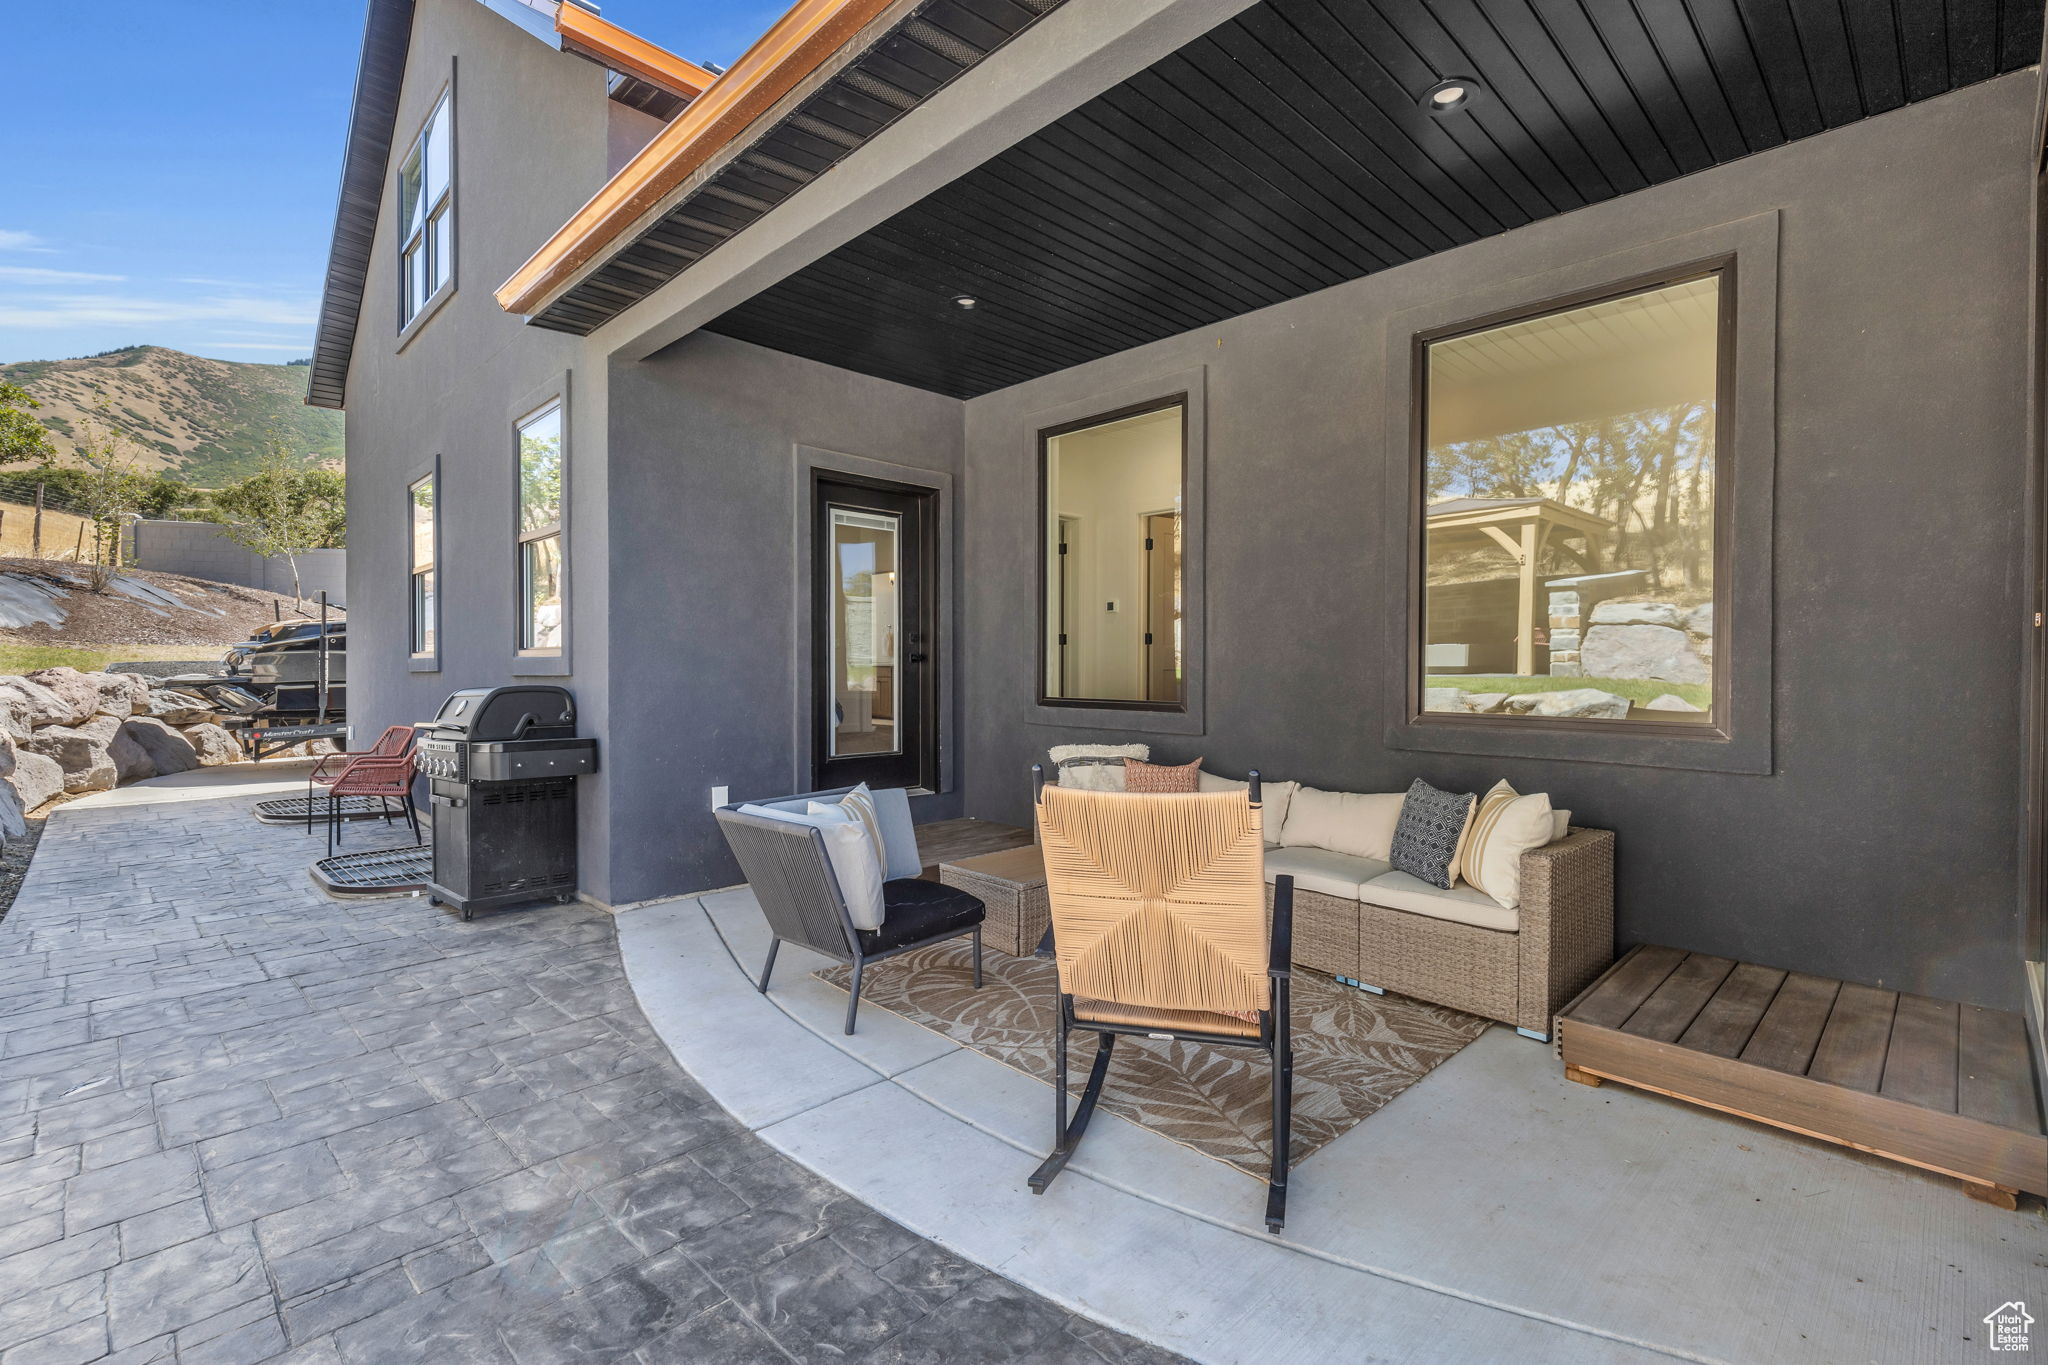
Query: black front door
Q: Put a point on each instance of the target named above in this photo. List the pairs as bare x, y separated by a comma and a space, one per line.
874, 641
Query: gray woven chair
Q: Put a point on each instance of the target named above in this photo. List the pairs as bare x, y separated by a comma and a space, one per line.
786, 866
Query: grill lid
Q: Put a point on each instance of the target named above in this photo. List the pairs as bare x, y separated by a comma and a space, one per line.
526, 711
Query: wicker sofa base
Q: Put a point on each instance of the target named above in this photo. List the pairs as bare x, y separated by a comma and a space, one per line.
1523, 977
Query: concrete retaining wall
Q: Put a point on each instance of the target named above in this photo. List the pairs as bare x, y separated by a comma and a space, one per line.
202, 550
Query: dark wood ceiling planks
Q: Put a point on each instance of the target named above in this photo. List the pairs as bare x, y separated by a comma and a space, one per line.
1286, 151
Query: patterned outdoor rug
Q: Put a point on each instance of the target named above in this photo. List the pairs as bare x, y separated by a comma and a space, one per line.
1353, 1051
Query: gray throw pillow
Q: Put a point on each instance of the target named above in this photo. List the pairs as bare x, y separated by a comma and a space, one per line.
1431, 826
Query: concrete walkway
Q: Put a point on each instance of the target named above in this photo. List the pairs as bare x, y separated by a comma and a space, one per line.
242, 1122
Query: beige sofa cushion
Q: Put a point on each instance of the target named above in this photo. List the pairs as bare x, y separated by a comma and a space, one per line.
1273, 799
1343, 822
1460, 904
1318, 869
1506, 825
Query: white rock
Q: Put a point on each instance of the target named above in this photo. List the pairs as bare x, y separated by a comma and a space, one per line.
35, 779
13, 820
213, 744
1641, 651
1669, 702
1443, 699
176, 708
1583, 702
35, 704
1700, 620
1486, 701
78, 693
121, 694
81, 751
169, 751
1638, 614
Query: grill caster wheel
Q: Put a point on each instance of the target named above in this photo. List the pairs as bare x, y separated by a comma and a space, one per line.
564, 898
434, 901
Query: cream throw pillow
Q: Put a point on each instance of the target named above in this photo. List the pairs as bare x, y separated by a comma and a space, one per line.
1560, 824
1274, 798
1504, 827
1343, 822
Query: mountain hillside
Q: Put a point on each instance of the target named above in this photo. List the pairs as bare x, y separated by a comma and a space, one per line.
202, 420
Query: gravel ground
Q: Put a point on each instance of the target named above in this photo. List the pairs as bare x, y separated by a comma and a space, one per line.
221, 613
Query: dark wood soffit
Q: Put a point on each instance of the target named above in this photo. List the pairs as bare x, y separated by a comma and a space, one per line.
387, 31
1286, 151
931, 46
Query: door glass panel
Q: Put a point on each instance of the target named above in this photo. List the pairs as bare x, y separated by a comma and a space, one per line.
867, 626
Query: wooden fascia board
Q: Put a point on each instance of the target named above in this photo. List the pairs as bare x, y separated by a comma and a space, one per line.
587, 35
799, 42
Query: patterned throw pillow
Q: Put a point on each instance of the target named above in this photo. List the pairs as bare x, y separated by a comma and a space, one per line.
1426, 840
1140, 776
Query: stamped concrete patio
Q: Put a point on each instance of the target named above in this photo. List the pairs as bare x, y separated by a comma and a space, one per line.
242, 1122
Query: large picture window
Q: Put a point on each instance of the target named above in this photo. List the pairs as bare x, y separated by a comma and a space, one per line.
1111, 595
1570, 511
540, 530
426, 214
421, 498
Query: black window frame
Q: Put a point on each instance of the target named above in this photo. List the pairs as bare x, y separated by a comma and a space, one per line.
1181, 400
1721, 268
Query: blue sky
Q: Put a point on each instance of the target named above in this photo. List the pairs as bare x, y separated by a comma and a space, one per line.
171, 164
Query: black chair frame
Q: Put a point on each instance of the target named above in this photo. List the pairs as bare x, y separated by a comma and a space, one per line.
1275, 1038
787, 868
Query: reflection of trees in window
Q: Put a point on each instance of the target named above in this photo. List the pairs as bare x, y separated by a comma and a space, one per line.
1649, 472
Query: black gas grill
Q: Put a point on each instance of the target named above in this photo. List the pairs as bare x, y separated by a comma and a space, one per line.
501, 764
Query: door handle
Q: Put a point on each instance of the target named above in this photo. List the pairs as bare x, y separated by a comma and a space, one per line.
917, 658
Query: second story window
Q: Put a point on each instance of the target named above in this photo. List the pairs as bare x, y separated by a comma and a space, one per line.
540, 530
421, 496
426, 214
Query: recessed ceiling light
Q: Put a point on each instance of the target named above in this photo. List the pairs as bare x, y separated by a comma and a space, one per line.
1450, 95
965, 300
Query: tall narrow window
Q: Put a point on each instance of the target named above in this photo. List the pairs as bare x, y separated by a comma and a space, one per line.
540, 530
422, 496
426, 215
1570, 509
1111, 591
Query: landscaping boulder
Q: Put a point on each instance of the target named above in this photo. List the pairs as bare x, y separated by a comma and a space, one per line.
1669, 702
121, 694
13, 819
1443, 699
1581, 702
35, 779
1700, 620
131, 761
176, 708
78, 693
213, 744
29, 704
1664, 653
168, 751
1638, 614
83, 752
1485, 701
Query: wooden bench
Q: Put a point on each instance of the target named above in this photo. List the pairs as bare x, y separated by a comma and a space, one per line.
1947, 1087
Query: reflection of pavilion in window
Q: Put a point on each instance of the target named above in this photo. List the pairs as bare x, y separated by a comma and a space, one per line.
864, 632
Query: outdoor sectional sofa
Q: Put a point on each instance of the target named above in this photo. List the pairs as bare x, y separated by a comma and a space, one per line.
1358, 919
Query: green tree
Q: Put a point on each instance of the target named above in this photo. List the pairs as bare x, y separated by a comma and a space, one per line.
284, 508
22, 436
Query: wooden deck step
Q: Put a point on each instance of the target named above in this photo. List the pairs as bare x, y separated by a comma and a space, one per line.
1941, 1085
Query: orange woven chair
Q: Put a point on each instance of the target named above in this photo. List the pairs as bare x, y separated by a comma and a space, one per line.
395, 742
1159, 929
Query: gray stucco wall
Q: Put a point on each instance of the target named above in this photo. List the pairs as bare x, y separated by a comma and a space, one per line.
530, 137
201, 549
704, 448
1882, 846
